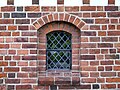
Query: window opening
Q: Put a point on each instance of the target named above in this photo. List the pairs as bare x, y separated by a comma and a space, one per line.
59, 52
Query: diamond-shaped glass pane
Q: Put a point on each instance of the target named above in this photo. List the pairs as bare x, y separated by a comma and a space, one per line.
59, 40
58, 59
59, 50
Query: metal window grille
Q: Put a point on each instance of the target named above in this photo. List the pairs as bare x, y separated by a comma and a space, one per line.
59, 52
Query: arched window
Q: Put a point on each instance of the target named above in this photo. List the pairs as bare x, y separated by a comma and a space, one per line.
59, 51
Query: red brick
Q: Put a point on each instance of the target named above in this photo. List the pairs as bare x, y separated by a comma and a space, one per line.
11, 69
22, 75
32, 8
12, 81
94, 74
111, 8
22, 52
23, 28
117, 68
88, 8
111, 27
105, 45
94, 27
60, 1
88, 80
3, 75
12, 27
4, 46
113, 80
101, 21
113, 14
88, 68
2, 27
15, 33
12, 63
6, 21
46, 81
23, 21
86, 1
60, 8
94, 63
111, 1
8, 9
108, 74
72, 9
10, 2
100, 80
22, 63
48, 8
98, 14
108, 68
108, 86
109, 39
114, 21
62, 80
20, 87
30, 81
100, 68
84, 74
94, 51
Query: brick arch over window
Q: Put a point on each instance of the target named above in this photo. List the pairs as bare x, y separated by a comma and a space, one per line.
75, 20
67, 23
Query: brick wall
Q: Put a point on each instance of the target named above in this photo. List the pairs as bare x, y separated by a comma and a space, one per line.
95, 51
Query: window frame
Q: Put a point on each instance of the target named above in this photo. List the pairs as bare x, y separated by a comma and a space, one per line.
58, 50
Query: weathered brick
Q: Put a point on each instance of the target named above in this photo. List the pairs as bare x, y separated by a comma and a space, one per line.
98, 14
35, 2
111, 8
11, 75
48, 8
108, 74
101, 21
18, 15
6, 15
20, 8
72, 9
11, 69
105, 45
113, 14
60, 1
12, 81
6, 21
111, 1
88, 20
88, 8
19, 87
7, 8
88, 80
22, 21
86, 1
34, 15
32, 8
10, 2
112, 80
11, 87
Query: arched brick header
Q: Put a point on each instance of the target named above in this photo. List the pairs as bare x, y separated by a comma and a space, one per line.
75, 20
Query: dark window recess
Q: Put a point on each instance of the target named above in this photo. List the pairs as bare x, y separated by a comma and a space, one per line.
59, 52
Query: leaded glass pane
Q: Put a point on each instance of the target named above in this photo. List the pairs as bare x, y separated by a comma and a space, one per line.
59, 50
